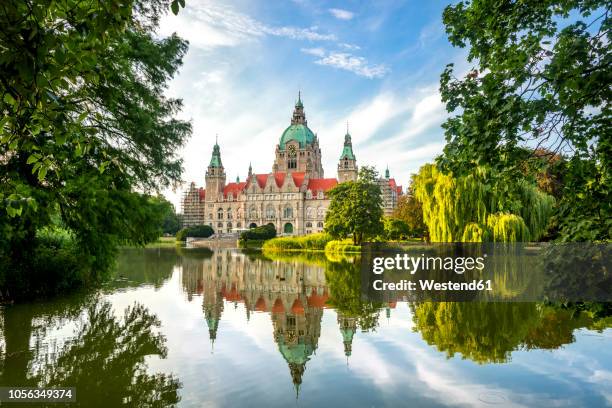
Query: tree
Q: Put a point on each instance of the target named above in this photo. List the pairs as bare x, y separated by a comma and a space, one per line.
356, 208
469, 208
170, 222
85, 123
395, 229
541, 77
410, 211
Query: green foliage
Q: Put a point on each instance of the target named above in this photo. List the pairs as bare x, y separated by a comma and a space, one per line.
474, 233
170, 222
56, 263
196, 231
541, 77
466, 208
507, 228
395, 229
304, 243
85, 123
335, 247
410, 210
261, 233
356, 208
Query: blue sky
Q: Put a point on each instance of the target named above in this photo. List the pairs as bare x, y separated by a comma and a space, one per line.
373, 64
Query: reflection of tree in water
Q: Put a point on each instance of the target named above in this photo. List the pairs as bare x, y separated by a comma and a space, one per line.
344, 283
138, 266
104, 361
489, 332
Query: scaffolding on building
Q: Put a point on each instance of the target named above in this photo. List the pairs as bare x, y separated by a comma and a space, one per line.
191, 207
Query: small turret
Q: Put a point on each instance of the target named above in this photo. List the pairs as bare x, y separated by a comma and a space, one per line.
347, 166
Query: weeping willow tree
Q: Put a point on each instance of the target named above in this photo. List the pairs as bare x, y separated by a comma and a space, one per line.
469, 209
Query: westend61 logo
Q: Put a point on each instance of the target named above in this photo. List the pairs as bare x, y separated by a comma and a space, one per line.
405, 262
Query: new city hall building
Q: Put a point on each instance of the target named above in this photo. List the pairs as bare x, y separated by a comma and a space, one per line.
293, 197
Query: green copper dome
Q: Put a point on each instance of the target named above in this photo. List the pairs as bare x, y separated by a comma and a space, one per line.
298, 132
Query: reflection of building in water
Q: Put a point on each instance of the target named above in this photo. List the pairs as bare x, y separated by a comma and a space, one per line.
348, 327
293, 293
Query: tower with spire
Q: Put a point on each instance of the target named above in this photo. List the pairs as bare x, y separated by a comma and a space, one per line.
298, 149
347, 165
215, 175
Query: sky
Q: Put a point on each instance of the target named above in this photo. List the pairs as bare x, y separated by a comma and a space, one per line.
374, 65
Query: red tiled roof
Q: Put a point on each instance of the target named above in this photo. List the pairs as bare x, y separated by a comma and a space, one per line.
298, 178
233, 188
278, 306
202, 193
392, 183
279, 177
315, 300
260, 306
323, 184
297, 307
261, 179
399, 190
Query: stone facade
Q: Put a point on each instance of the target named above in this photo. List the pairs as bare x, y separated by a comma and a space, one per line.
293, 197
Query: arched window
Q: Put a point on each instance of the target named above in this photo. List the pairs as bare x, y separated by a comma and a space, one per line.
238, 225
229, 213
320, 195
288, 212
292, 164
270, 213
220, 213
309, 224
253, 212
319, 224
252, 225
219, 225
288, 229
229, 226
345, 164
230, 197
309, 212
320, 212
309, 194
210, 216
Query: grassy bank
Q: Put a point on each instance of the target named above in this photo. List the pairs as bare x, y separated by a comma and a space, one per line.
311, 242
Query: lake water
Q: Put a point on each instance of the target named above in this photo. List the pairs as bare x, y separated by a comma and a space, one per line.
194, 327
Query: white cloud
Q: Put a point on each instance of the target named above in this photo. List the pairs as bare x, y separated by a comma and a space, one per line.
208, 25
354, 64
341, 14
317, 52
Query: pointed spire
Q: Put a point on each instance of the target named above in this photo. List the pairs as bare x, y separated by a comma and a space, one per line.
347, 128
387, 173
250, 170
215, 160
237, 179
299, 117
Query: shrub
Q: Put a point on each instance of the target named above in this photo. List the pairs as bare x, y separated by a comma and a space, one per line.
197, 231
341, 246
57, 264
306, 242
259, 233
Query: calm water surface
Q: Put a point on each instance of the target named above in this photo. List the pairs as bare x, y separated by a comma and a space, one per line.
193, 327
